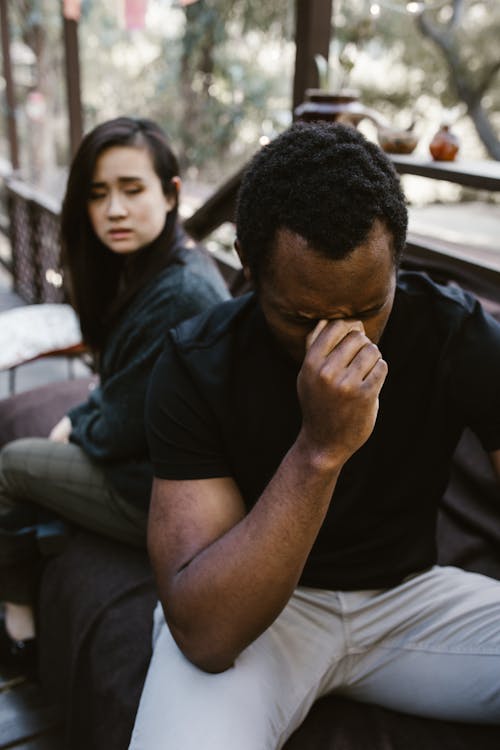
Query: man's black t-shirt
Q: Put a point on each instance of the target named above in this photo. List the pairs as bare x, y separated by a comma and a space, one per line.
223, 402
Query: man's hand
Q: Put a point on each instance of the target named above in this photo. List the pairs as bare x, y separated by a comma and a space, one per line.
61, 431
338, 387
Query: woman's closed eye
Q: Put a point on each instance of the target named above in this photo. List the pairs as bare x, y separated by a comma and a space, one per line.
133, 190
96, 194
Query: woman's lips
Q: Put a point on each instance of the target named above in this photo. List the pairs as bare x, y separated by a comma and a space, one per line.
119, 234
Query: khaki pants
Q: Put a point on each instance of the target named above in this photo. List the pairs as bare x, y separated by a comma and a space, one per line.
37, 473
429, 647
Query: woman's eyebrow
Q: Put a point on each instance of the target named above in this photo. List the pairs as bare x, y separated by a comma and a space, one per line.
130, 179
125, 180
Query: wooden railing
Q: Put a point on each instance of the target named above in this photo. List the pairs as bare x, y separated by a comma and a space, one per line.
5, 171
34, 230
483, 175
420, 252
429, 253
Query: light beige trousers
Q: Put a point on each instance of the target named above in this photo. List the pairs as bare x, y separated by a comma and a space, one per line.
430, 647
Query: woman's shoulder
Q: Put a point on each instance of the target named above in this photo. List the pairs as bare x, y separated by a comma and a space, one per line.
192, 270
185, 287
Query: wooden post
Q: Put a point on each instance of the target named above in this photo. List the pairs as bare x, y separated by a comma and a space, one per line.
9, 86
72, 67
312, 37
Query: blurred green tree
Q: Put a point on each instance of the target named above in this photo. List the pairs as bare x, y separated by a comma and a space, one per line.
467, 34
217, 74
446, 51
37, 58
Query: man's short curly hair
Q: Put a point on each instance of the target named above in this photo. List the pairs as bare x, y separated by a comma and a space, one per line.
325, 182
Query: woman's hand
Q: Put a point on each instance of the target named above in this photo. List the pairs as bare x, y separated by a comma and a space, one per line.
61, 431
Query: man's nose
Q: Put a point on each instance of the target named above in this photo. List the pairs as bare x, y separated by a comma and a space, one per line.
116, 206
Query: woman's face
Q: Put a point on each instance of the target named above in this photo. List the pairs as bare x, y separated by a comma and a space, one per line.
127, 207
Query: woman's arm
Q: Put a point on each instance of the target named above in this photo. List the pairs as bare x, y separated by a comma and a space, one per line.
110, 425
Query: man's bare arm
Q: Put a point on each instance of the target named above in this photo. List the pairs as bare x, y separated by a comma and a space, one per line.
223, 575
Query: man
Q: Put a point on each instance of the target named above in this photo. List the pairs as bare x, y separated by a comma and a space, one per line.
301, 439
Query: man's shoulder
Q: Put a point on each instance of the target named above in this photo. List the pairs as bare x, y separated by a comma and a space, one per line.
220, 322
198, 355
417, 288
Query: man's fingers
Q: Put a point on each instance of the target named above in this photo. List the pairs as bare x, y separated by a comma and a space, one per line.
327, 334
364, 359
311, 337
377, 374
352, 361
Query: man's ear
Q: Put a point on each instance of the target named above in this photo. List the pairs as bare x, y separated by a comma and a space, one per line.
241, 255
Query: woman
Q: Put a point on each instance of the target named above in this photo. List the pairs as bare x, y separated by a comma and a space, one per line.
132, 275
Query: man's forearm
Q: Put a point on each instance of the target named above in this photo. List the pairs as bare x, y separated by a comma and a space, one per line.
232, 590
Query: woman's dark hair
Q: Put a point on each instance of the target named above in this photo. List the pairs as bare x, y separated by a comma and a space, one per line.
99, 281
325, 182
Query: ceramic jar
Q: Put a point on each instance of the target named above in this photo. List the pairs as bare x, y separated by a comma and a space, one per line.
342, 106
444, 146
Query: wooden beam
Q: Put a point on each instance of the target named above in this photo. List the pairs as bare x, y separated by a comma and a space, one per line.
313, 22
218, 209
483, 174
72, 69
427, 254
9, 86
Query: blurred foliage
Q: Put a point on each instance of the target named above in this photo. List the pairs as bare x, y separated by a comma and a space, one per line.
448, 55
37, 56
218, 74
190, 70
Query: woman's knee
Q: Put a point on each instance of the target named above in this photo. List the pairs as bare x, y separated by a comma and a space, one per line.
17, 462
12, 457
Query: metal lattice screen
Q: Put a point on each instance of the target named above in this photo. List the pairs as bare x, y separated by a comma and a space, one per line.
34, 236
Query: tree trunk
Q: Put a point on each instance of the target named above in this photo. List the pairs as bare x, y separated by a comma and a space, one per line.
197, 62
468, 93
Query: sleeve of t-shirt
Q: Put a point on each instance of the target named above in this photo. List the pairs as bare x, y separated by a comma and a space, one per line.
475, 376
182, 430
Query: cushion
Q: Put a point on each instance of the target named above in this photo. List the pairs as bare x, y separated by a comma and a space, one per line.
34, 413
33, 331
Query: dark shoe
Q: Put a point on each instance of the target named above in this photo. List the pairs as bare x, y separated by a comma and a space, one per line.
18, 535
20, 516
27, 532
52, 537
19, 657
18, 546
